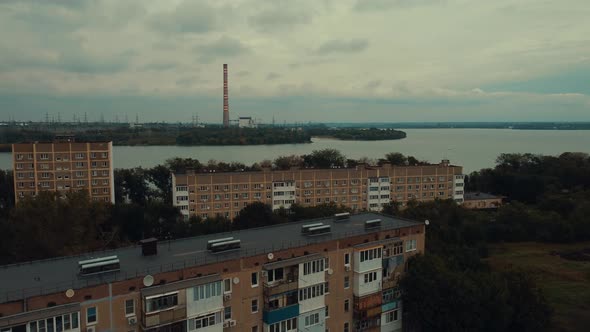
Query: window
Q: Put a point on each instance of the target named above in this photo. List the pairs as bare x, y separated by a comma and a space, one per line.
204, 321
346, 327
313, 267
226, 286
347, 259
398, 248
370, 254
327, 314
283, 326
254, 328
275, 275
129, 307
206, 291
312, 319
311, 292
391, 316
62, 323
161, 302
370, 277
254, 306
254, 279
346, 305
410, 245
346, 282
91, 315
227, 313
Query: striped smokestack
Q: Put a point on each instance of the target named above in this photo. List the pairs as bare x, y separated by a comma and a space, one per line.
225, 98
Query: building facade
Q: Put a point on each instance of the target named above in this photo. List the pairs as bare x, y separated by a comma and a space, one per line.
64, 165
360, 188
337, 275
246, 122
482, 201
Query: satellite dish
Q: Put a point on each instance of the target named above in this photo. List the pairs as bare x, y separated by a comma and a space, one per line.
330, 271
148, 280
427, 222
270, 256
236, 280
70, 293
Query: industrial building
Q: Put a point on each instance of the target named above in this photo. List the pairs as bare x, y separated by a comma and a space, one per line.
363, 187
64, 165
331, 274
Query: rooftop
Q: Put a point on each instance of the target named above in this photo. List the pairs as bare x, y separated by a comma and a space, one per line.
473, 196
59, 274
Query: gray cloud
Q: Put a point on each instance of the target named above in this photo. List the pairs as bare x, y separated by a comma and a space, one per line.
378, 5
373, 84
160, 66
272, 76
222, 47
279, 18
343, 46
188, 17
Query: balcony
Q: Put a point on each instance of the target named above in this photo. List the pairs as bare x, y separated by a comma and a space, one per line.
288, 284
164, 317
277, 315
365, 303
389, 283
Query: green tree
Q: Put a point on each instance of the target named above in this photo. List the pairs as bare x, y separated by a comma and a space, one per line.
256, 214
396, 159
325, 158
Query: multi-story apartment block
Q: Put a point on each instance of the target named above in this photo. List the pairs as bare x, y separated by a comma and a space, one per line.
361, 188
64, 165
331, 274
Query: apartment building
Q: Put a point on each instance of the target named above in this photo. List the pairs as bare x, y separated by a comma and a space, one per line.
359, 188
331, 274
64, 165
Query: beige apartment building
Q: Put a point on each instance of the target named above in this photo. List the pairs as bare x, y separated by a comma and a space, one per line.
360, 188
336, 274
64, 165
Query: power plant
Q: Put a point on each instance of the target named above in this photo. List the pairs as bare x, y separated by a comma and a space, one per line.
225, 98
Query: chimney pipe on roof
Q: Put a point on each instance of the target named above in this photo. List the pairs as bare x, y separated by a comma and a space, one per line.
149, 247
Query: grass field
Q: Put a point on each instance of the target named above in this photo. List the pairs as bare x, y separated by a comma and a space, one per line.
565, 283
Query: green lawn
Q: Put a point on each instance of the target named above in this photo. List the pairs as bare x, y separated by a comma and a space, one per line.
565, 283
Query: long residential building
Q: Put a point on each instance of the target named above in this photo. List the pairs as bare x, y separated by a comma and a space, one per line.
330, 274
207, 194
64, 165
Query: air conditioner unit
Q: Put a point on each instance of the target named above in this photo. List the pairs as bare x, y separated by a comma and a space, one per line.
347, 268
227, 297
232, 322
226, 324
90, 329
132, 320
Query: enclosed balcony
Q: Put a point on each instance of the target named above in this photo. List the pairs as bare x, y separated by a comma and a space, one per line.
271, 316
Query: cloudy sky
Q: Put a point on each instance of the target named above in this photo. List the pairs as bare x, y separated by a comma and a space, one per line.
296, 60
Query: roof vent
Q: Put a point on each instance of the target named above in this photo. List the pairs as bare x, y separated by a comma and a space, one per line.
305, 228
99, 265
149, 247
319, 230
224, 245
342, 216
374, 223
210, 243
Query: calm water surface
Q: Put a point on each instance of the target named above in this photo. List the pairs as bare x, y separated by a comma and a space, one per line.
472, 148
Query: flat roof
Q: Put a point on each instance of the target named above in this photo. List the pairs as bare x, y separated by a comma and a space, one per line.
59, 274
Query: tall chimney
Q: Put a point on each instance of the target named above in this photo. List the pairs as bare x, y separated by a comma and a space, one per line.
225, 98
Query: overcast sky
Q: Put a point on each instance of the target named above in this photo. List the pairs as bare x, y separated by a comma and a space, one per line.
299, 60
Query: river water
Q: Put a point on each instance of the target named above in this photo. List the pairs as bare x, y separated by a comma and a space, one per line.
472, 148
